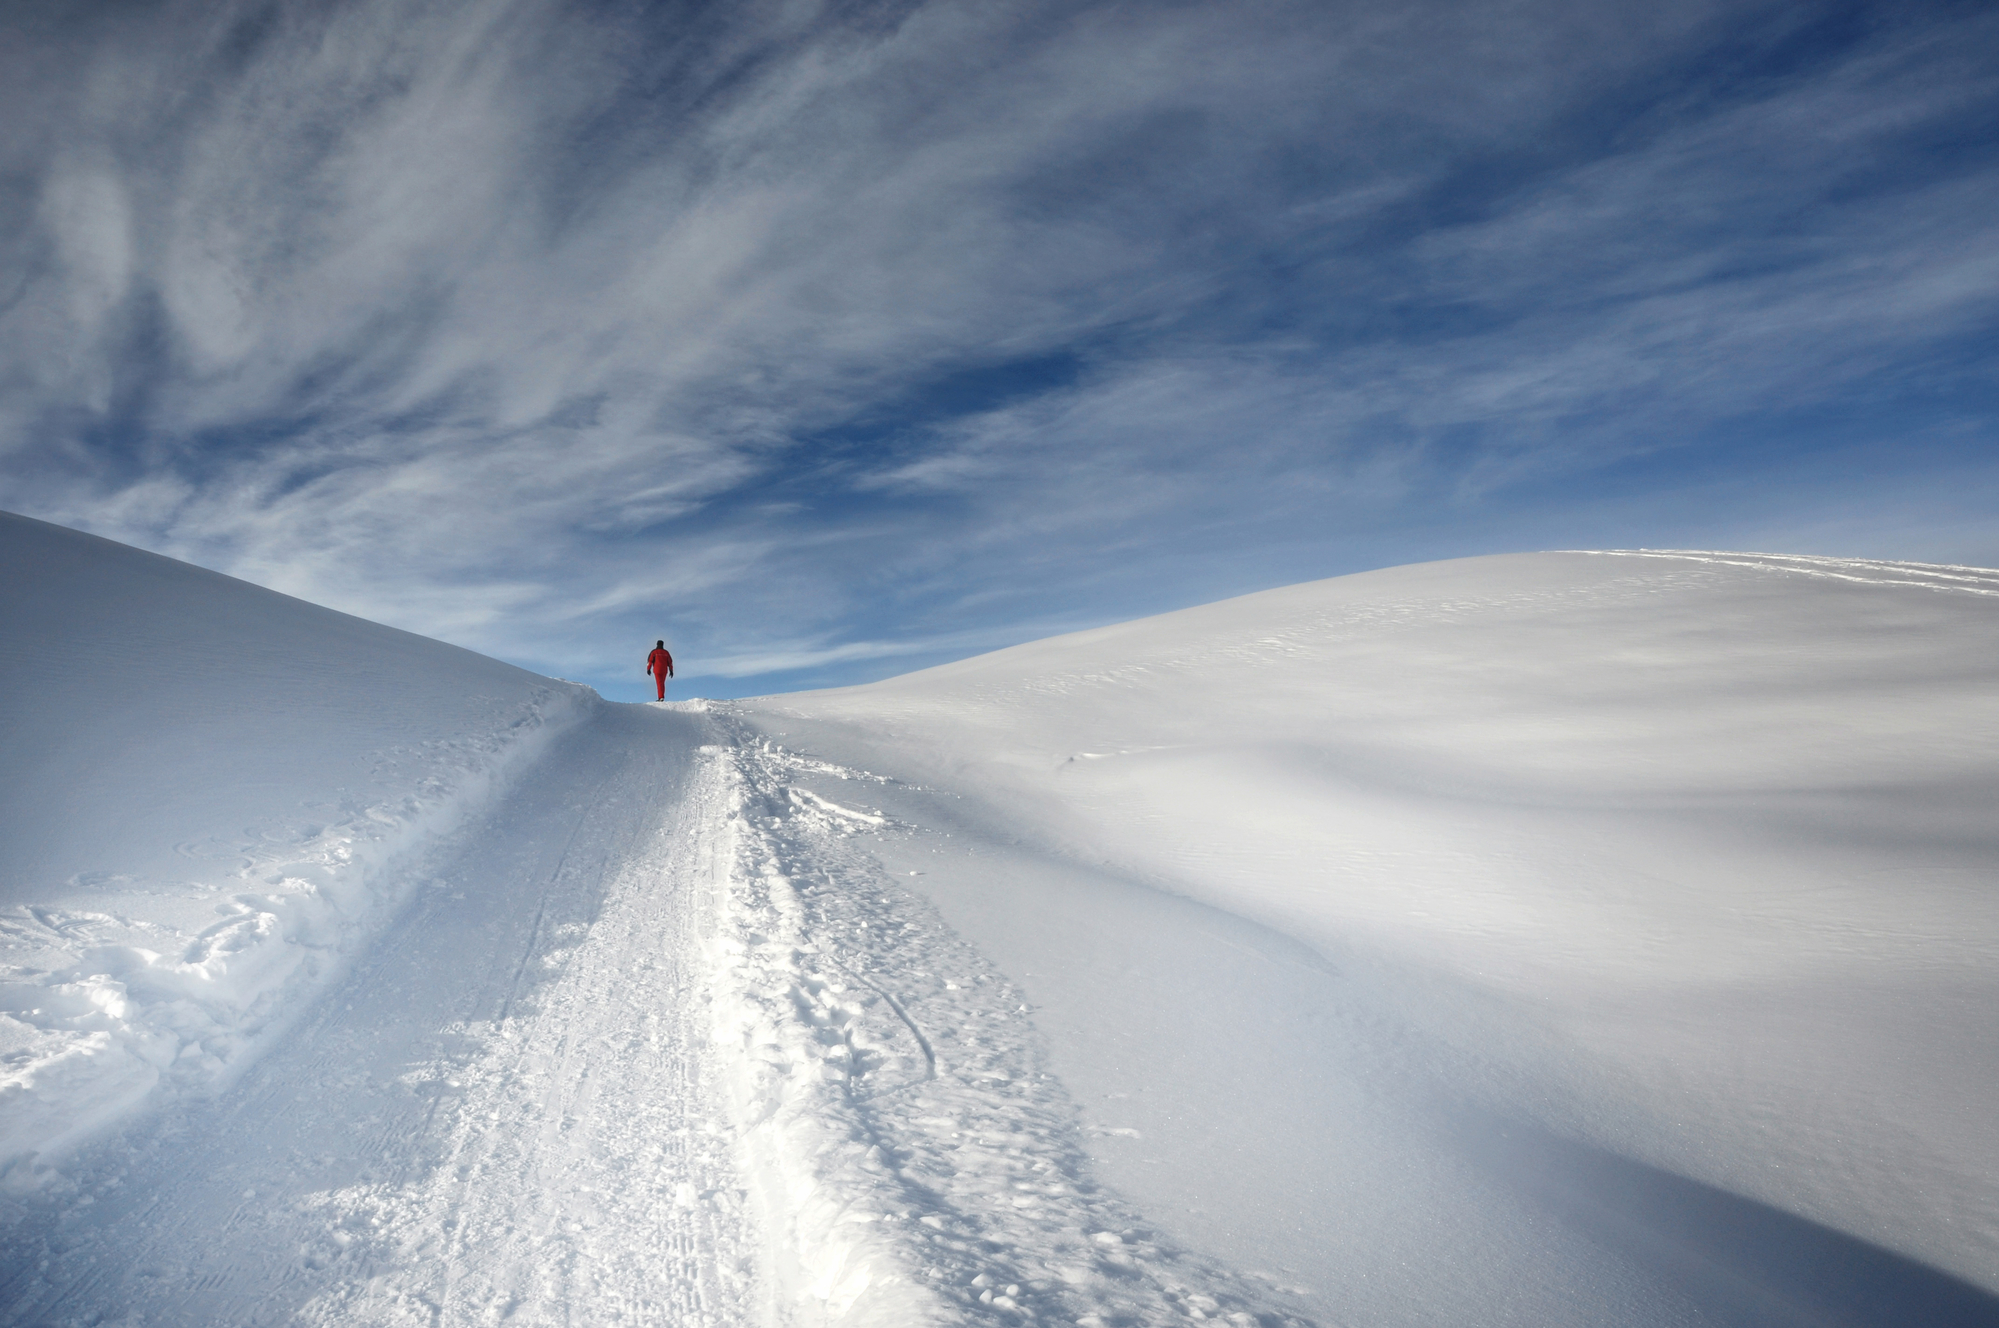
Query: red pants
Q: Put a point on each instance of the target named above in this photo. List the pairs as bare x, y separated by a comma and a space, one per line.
660, 678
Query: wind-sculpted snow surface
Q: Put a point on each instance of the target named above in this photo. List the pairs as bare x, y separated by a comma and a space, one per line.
1555, 939
208, 796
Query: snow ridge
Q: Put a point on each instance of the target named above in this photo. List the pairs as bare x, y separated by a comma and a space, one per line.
1866, 571
124, 1011
914, 1162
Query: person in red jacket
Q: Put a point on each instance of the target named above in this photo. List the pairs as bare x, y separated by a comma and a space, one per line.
660, 665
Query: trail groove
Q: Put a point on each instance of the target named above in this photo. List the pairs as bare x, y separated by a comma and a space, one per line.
504, 1113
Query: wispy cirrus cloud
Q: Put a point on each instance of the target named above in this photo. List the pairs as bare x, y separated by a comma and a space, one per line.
817, 334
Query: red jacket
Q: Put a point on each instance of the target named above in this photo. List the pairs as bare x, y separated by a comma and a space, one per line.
659, 664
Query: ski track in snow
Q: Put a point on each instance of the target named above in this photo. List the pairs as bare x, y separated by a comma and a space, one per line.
117, 1009
504, 1113
659, 1041
915, 1162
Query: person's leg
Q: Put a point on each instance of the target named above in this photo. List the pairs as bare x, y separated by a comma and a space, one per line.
660, 678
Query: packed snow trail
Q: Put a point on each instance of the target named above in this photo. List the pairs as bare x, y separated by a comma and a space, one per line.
658, 1042
503, 1113
916, 1162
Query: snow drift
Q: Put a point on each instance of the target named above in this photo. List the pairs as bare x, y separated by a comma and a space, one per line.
1558, 938
210, 796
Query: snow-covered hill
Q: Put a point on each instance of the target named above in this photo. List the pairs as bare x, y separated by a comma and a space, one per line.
209, 796
1538, 939
1552, 939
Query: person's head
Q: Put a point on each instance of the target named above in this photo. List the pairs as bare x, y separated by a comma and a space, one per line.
659, 645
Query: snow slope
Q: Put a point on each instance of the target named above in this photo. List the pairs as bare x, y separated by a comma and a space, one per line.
1544, 940
1562, 938
209, 793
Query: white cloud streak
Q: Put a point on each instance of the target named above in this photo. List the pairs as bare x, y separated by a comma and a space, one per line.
515, 323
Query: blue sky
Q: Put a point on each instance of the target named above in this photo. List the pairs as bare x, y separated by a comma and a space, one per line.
830, 341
